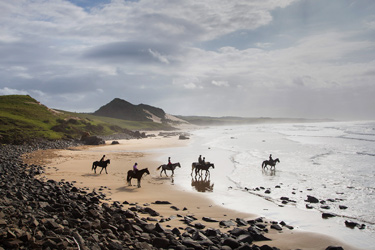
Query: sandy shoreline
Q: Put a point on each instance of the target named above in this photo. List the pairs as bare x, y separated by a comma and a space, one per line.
74, 165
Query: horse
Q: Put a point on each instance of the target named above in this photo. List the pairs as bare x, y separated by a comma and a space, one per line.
270, 163
137, 175
201, 167
166, 167
102, 164
194, 165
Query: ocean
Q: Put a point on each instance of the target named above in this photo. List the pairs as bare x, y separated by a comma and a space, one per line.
331, 161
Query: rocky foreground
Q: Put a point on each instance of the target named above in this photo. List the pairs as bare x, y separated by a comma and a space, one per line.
36, 214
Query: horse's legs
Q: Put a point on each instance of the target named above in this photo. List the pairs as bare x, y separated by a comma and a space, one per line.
106, 170
139, 182
101, 171
172, 172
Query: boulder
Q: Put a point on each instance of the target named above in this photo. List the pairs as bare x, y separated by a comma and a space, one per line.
93, 140
327, 215
232, 243
312, 199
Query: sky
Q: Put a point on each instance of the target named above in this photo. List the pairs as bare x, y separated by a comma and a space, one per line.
249, 58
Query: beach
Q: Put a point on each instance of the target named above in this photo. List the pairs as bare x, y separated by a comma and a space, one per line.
74, 165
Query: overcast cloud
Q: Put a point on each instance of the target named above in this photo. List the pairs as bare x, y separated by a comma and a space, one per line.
275, 58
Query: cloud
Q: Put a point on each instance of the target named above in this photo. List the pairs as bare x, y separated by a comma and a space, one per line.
220, 83
220, 57
8, 91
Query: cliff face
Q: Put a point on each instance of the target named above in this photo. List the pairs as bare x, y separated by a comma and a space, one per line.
122, 109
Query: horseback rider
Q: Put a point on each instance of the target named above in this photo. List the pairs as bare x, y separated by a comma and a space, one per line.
200, 159
169, 162
135, 168
204, 161
102, 159
271, 160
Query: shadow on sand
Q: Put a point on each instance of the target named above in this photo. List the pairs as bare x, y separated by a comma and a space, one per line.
91, 175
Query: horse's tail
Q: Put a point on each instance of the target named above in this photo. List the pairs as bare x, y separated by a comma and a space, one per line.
263, 164
93, 166
128, 178
159, 167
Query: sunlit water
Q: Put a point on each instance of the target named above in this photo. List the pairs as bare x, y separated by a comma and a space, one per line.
333, 162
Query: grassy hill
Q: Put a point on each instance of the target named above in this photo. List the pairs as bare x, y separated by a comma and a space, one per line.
23, 118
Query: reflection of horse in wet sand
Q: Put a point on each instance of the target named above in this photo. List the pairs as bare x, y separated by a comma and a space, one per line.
137, 175
200, 168
270, 163
170, 167
102, 164
202, 185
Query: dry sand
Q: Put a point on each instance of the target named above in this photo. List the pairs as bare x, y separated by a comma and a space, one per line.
74, 165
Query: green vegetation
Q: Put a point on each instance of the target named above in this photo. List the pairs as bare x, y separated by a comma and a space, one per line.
22, 118
130, 125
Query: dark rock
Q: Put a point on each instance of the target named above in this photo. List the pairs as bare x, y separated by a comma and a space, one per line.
199, 226
334, 248
159, 228
159, 242
227, 223
276, 227
208, 219
351, 224
176, 231
309, 206
261, 225
93, 140
245, 247
183, 137
256, 235
328, 215
151, 211
238, 231
191, 243
267, 247
245, 238
312, 199
162, 202
241, 222
231, 243
342, 207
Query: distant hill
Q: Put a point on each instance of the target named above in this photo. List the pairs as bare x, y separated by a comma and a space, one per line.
121, 109
22, 118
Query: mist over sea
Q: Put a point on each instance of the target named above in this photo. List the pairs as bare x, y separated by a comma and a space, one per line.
333, 161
